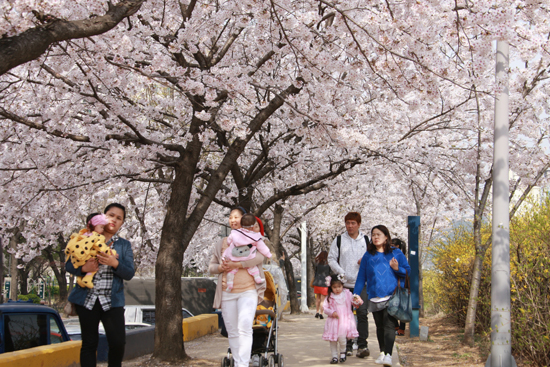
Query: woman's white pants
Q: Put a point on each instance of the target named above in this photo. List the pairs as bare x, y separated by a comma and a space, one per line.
238, 310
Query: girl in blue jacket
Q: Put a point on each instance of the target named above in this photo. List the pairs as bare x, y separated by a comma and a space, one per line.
381, 268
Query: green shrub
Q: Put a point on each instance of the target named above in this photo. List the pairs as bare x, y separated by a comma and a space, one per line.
32, 296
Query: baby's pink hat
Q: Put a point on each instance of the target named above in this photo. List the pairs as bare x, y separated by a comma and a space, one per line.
100, 219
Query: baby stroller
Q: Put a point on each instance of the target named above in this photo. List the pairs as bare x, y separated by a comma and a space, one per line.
264, 330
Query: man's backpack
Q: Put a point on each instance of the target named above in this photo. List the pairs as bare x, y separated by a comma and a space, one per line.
339, 242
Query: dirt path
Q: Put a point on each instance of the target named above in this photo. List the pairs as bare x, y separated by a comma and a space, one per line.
443, 348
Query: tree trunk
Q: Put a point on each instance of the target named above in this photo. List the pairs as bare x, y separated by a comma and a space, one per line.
23, 278
275, 238
292, 291
71, 284
469, 328
13, 267
1, 271
310, 272
479, 209
59, 272
168, 269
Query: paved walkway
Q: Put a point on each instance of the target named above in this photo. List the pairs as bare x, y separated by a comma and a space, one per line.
300, 343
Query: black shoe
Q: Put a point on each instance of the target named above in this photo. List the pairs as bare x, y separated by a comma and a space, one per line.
321, 316
349, 351
316, 315
363, 352
334, 360
342, 359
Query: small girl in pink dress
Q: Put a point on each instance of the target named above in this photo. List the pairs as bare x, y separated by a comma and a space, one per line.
340, 324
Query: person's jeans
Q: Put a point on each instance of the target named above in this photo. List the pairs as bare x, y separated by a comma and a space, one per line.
238, 311
362, 323
113, 323
385, 330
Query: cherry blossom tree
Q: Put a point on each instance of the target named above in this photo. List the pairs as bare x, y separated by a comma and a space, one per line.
201, 102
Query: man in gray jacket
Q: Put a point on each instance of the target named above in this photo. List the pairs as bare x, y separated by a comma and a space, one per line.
344, 257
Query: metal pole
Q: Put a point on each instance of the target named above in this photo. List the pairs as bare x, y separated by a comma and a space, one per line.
501, 336
414, 230
303, 281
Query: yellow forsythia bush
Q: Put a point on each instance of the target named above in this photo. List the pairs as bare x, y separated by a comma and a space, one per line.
530, 284
453, 258
449, 281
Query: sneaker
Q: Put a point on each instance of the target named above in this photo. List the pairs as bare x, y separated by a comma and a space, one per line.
255, 360
380, 358
363, 352
334, 360
349, 350
387, 361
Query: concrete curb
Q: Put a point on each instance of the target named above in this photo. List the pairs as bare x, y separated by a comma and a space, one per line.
66, 354
197, 326
395, 355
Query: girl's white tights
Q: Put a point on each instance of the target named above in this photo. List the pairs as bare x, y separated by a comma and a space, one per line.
334, 347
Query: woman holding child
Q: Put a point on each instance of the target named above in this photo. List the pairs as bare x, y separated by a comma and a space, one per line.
238, 304
104, 300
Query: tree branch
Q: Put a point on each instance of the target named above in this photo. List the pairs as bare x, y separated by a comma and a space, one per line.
32, 43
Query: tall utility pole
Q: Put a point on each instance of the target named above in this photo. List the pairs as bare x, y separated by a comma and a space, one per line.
501, 335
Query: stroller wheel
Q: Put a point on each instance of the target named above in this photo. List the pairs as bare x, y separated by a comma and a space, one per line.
271, 361
280, 360
225, 362
263, 361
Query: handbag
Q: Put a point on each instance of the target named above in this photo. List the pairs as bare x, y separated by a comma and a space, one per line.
70, 309
400, 304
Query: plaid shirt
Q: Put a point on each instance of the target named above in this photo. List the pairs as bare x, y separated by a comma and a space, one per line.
103, 284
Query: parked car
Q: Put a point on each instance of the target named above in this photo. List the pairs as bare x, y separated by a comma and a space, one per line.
73, 327
146, 314
26, 325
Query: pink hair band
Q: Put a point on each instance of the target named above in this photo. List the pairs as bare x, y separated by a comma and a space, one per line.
100, 219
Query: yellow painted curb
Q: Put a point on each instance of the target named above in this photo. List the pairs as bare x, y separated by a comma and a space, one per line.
66, 354
197, 326
287, 306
